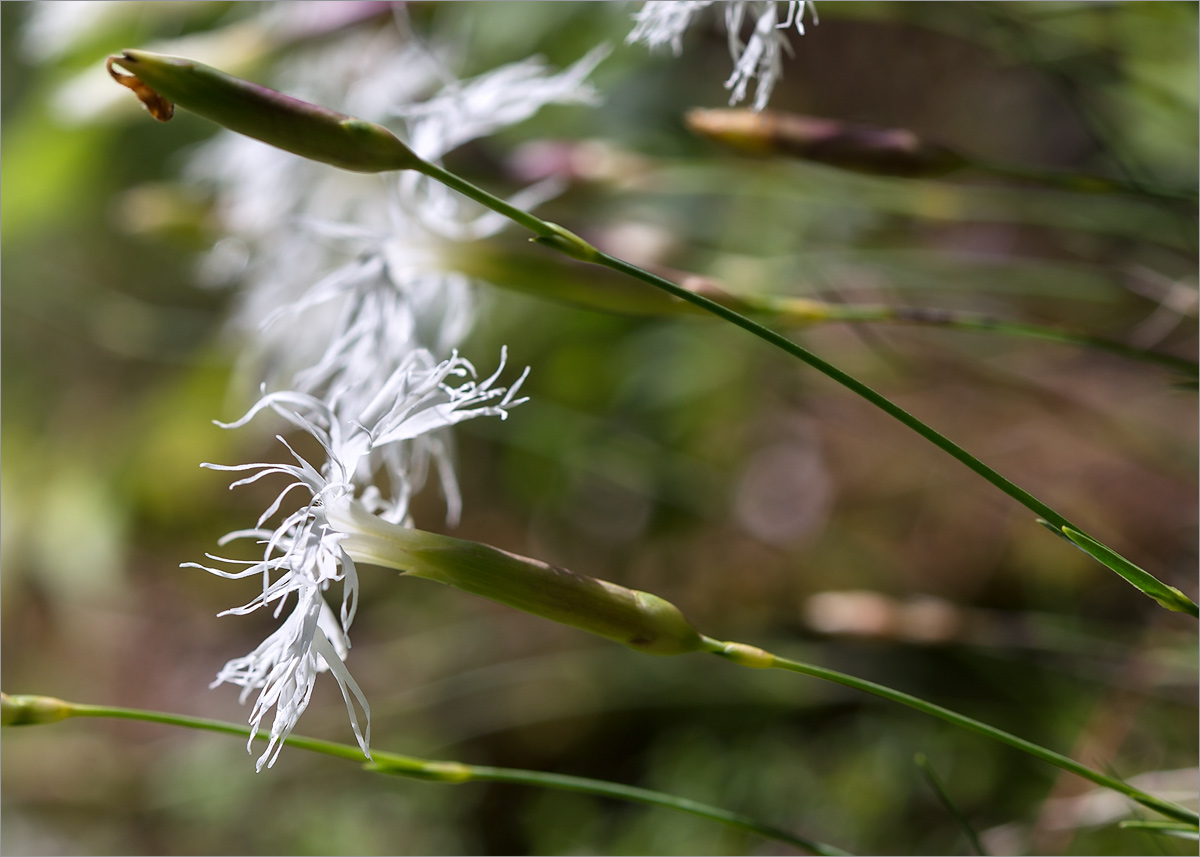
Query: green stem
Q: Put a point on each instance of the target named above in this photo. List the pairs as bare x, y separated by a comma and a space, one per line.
546, 278
1082, 182
21, 710
650, 798
751, 656
939, 789
523, 218
572, 245
803, 311
850, 382
1181, 602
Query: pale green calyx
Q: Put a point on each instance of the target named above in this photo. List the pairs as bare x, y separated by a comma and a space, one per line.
637, 619
279, 120
25, 710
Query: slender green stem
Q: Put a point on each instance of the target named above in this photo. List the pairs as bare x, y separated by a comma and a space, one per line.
650, 798
23, 710
751, 656
545, 278
315, 745
1083, 182
939, 789
846, 380
572, 245
804, 311
523, 218
880, 401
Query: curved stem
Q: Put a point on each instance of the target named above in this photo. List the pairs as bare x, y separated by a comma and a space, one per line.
751, 656
425, 769
572, 245
1167, 596
650, 798
846, 380
1083, 182
522, 218
803, 311
943, 796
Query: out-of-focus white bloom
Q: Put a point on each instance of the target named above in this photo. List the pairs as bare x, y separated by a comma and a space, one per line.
386, 246
264, 195
383, 249
661, 22
53, 29
503, 97
302, 555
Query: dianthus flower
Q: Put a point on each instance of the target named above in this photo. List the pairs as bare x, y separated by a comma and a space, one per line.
302, 554
663, 22
354, 309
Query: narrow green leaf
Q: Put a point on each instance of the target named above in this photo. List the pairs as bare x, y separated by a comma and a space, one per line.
1054, 529
1166, 828
1167, 596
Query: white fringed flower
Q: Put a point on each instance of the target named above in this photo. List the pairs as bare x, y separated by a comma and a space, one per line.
760, 59
302, 555
663, 22
315, 235
353, 307
383, 250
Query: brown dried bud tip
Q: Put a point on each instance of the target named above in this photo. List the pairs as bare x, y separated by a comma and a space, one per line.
159, 107
846, 145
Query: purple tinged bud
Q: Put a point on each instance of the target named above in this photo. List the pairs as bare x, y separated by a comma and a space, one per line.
296, 126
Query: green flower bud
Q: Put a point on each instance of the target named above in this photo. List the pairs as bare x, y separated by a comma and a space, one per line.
25, 710
279, 120
637, 619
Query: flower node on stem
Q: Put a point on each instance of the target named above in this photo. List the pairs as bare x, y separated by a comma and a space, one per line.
568, 243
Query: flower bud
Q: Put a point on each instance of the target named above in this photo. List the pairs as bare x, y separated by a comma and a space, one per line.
742, 654
845, 145
279, 120
637, 619
26, 710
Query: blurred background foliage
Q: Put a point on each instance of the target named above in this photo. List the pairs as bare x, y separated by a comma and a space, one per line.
668, 454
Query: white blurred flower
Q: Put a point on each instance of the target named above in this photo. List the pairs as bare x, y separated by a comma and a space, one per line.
54, 29
386, 246
301, 218
661, 22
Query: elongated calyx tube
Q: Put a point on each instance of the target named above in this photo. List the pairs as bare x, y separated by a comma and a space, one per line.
845, 145
637, 619
279, 120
